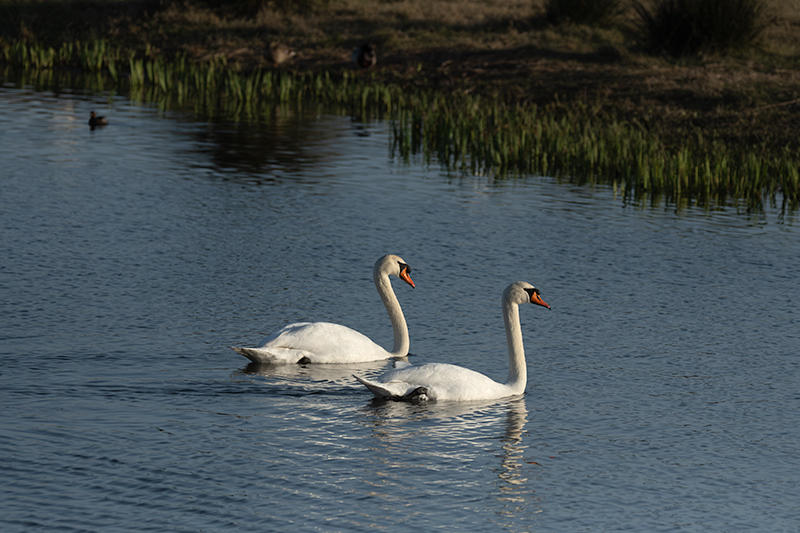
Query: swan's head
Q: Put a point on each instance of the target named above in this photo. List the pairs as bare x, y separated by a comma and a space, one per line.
393, 265
521, 292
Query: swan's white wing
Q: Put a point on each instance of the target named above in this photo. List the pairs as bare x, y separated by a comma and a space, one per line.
440, 381
315, 342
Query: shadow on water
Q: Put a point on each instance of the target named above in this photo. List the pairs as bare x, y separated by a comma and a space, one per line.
287, 141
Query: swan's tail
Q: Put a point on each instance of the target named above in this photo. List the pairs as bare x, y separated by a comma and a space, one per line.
275, 355
376, 388
253, 354
414, 394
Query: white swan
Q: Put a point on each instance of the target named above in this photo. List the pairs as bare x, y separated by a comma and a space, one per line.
323, 342
439, 381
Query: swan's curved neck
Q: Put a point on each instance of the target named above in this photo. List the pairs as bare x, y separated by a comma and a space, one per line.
517, 369
401, 341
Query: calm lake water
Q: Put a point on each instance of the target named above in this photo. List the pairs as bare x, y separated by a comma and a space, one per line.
663, 385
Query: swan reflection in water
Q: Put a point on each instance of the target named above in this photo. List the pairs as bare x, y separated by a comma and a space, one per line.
513, 485
309, 377
455, 441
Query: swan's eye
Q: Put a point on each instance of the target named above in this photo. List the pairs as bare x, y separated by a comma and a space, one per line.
531, 292
403, 265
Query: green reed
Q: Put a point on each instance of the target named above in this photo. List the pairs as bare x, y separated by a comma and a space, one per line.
462, 133
493, 139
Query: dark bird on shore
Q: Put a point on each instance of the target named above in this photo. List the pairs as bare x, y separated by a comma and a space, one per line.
279, 53
364, 56
95, 121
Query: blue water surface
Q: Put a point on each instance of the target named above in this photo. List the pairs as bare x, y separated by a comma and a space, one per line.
662, 392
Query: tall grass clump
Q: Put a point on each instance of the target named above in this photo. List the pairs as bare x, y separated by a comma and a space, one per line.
686, 27
583, 11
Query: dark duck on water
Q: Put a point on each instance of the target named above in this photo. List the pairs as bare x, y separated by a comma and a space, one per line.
95, 121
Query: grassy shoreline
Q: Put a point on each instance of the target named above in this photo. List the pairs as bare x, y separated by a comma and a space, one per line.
499, 93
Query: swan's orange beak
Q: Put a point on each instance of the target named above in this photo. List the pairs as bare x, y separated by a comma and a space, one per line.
536, 299
405, 277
